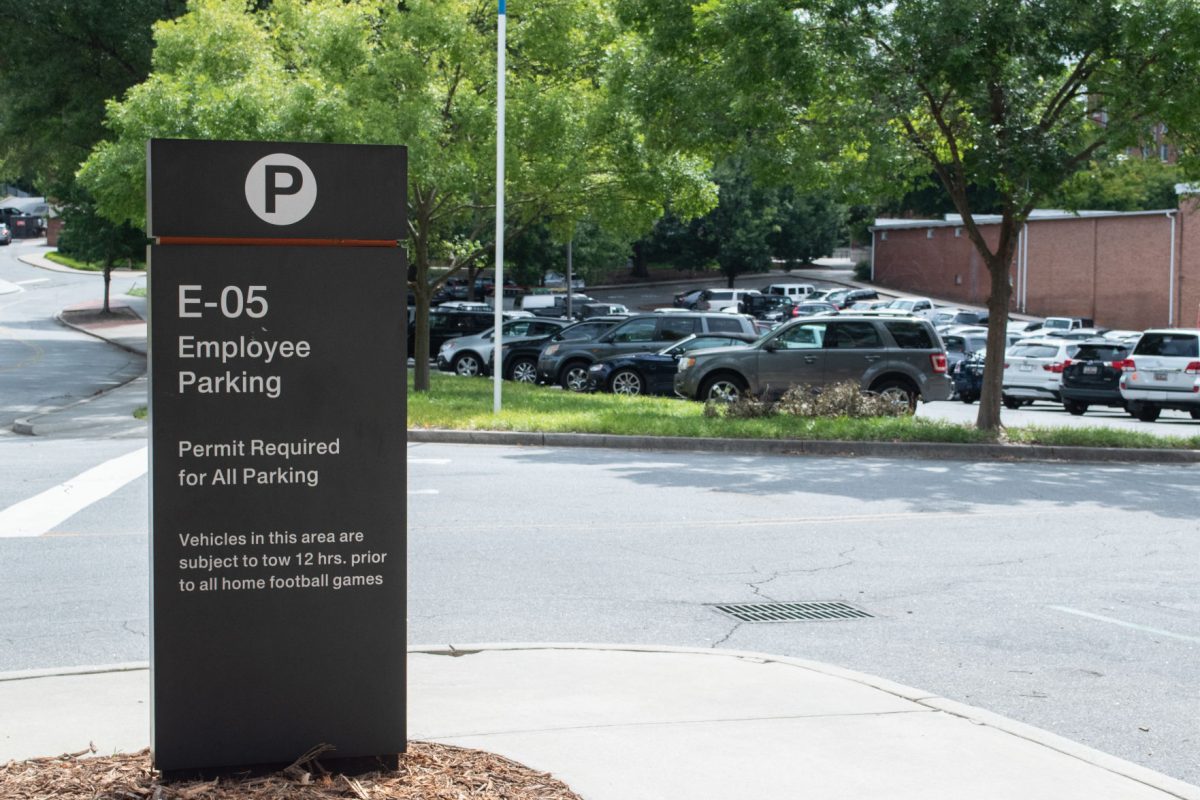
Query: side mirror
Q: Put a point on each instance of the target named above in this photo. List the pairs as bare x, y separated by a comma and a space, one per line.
771, 345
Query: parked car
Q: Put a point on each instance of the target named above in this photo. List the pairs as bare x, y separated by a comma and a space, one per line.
796, 291
554, 279
1033, 370
1093, 375
464, 305
1075, 334
1163, 371
901, 358
908, 305
5, 234
470, 355
567, 363
553, 305
654, 373
844, 298
967, 375
688, 299
589, 310
721, 299
447, 323
773, 307
960, 345
812, 308
520, 358
1052, 325
949, 317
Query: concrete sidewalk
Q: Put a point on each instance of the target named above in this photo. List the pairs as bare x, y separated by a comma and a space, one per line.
647, 723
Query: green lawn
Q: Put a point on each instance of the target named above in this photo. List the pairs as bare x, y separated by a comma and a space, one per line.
466, 404
90, 266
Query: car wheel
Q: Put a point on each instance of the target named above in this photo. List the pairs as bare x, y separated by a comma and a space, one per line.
1146, 412
1012, 402
524, 370
723, 388
1075, 408
626, 381
900, 393
1195, 414
467, 364
968, 398
574, 377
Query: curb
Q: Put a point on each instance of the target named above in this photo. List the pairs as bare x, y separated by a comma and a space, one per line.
128, 348
27, 426
41, 262
799, 447
978, 716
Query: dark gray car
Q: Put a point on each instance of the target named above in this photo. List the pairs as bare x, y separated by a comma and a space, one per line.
899, 357
567, 363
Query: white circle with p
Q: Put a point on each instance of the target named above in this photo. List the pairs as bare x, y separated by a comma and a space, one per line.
281, 189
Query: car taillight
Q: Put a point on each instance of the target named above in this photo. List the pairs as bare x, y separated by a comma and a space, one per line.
939, 361
1056, 367
1125, 365
1193, 368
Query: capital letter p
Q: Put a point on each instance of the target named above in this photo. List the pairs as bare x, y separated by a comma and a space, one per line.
272, 188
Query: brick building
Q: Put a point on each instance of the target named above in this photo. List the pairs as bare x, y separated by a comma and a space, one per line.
1133, 270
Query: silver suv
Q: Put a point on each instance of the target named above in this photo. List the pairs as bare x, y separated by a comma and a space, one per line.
1163, 371
901, 357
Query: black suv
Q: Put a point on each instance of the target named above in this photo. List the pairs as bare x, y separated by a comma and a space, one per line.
567, 363
1092, 377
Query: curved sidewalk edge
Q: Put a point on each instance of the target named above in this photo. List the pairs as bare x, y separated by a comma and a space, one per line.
41, 262
793, 704
43, 420
798, 447
620, 722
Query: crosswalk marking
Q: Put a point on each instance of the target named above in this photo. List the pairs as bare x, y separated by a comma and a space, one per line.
39, 514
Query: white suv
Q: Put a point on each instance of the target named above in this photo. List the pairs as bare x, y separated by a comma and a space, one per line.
1033, 370
1163, 371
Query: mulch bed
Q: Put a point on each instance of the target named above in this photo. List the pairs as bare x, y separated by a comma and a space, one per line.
97, 318
427, 772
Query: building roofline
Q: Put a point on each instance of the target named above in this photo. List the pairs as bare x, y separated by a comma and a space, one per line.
1046, 215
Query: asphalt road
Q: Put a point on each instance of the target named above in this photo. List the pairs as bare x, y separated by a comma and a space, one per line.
42, 363
1061, 595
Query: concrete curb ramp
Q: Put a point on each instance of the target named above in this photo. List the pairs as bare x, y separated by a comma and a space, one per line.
796, 447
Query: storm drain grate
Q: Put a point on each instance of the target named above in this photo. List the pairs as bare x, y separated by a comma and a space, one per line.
789, 612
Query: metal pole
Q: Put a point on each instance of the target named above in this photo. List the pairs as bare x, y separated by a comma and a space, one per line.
497, 331
1171, 279
570, 278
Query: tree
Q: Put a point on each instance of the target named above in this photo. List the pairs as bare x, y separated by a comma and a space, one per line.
419, 73
1121, 184
61, 60
1008, 96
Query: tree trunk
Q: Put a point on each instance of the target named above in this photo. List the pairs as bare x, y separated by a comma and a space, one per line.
107, 284
999, 267
640, 268
421, 291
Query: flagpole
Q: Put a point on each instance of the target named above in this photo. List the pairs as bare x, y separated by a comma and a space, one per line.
498, 294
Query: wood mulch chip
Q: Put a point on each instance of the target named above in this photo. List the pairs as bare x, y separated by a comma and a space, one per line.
427, 772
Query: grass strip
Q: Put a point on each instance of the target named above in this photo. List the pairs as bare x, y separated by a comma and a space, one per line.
87, 266
458, 403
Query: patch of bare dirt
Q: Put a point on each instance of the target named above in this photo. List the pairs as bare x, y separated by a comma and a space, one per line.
427, 772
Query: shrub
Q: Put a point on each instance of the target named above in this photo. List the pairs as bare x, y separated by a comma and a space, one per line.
844, 399
862, 270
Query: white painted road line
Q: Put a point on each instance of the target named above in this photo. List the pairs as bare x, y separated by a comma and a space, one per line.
31, 280
438, 461
39, 514
1124, 624
422, 491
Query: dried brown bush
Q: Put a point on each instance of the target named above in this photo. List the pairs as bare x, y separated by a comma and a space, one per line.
843, 399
